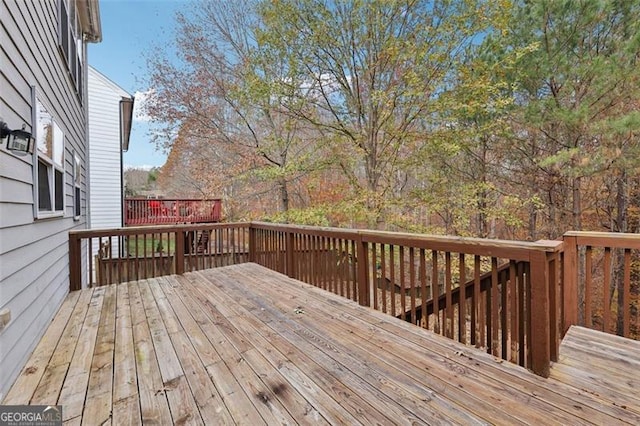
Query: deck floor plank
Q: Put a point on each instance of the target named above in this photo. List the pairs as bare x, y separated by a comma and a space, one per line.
98, 403
126, 408
280, 386
570, 399
366, 381
207, 398
602, 363
246, 345
154, 407
366, 345
182, 404
74, 388
281, 356
236, 400
234, 345
27, 382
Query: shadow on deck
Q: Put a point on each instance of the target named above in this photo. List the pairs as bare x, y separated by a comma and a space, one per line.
245, 344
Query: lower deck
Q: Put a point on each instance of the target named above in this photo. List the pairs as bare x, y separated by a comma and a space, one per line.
243, 344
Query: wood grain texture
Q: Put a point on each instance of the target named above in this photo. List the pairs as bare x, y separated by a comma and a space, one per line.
246, 345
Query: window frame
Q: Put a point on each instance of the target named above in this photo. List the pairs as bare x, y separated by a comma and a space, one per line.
77, 187
71, 43
49, 161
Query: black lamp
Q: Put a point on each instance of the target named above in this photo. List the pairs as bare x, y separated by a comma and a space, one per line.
19, 141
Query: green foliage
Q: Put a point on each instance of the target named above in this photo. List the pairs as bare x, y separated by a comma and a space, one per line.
469, 117
314, 216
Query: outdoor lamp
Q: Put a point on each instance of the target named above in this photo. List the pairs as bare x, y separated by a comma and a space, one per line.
19, 141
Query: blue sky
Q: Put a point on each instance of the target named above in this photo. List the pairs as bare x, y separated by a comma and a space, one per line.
130, 29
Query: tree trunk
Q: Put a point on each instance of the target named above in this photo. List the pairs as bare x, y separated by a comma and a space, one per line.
577, 204
284, 195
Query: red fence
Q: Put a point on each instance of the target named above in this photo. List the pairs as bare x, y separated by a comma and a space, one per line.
144, 211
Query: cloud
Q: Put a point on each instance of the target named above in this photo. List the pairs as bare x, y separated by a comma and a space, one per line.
139, 110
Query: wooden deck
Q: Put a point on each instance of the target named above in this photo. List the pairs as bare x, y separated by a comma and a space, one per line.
243, 344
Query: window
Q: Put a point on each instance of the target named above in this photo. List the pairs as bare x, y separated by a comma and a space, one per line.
76, 187
49, 154
70, 41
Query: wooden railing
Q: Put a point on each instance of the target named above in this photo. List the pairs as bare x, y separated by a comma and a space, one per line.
511, 298
602, 276
135, 253
144, 211
515, 299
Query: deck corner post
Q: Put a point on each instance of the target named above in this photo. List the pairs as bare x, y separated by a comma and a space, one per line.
570, 288
539, 316
75, 260
179, 255
362, 272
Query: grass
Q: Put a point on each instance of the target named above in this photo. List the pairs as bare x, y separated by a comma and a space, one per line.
152, 244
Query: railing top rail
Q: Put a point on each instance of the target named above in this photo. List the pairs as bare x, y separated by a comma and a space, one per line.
171, 199
606, 239
517, 250
322, 231
132, 230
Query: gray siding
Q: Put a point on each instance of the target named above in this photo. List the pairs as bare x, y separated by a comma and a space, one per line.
34, 264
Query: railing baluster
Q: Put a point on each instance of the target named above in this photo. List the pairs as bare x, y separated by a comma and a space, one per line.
475, 304
587, 287
383, 277
403, 283
626, 297
435, 291
424, 317
448, 324
493, 319
513, 310
412, 281
462, 299
392, 277
606, 288
503, 277
374, 275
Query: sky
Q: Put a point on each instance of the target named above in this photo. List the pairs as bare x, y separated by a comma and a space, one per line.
130, 30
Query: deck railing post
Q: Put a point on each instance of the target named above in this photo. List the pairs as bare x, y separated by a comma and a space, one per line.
252, 243
539, 314
290, 263
555, 314
179, 254
75, 262
362, 271
570, 290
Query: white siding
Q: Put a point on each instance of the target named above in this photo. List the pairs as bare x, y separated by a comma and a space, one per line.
105, 204
34, 259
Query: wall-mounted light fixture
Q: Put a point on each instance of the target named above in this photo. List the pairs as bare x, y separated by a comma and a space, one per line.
19, 140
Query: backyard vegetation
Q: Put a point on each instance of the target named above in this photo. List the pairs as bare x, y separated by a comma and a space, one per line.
505, 119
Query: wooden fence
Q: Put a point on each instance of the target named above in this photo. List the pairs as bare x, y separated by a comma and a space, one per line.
515, 299
165, 211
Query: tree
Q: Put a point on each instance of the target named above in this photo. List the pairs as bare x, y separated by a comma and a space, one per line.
219, 94
581, 79
367, 74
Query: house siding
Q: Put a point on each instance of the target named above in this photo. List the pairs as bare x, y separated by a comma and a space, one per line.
105, 201
34, 264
